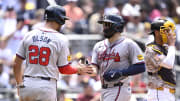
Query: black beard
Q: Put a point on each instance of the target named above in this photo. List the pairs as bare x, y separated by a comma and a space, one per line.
108, 33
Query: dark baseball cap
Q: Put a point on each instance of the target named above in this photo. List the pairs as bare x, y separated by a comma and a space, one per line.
155, 25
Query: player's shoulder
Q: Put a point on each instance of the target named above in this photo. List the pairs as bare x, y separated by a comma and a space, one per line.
100, 43
30, 33
61, 37
152, 47
129, 42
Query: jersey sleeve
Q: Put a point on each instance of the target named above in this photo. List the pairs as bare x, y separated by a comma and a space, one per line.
21, 52
63, 55
94, 55
135, 53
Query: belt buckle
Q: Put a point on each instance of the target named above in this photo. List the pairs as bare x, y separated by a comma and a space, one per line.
118, 84
172, 90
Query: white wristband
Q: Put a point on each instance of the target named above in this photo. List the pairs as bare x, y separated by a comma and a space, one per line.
19, 85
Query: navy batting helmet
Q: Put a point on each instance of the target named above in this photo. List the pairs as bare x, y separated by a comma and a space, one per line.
116, 21
55, 13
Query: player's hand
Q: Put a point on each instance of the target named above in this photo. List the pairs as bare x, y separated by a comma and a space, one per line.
94, 73
85, 69
171, 39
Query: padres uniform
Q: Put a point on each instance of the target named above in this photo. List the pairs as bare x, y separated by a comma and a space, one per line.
161, 80
44, 49
117, 55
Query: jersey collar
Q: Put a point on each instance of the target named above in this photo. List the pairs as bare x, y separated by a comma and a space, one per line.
48, 30
111, 45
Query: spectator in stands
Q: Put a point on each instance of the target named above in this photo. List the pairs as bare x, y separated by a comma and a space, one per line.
88, 7
110, 8
135, 26
119, 6
74, 12
164, 12
5, 54
130, 8
9, 21
18, 35
13, 3
94, 27
82, 26
155, 14
144, 15
38, 21
26, 12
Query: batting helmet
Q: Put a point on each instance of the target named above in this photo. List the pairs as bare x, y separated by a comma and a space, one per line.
116, 21
164, 26
55, 13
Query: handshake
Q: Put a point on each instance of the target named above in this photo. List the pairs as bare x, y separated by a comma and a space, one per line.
86, 69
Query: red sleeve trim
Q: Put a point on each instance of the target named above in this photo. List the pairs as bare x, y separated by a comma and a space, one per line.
20, 57
67, 69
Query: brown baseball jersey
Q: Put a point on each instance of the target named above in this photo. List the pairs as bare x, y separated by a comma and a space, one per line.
158, 76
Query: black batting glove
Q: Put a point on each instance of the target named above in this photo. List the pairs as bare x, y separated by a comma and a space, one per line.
112, 75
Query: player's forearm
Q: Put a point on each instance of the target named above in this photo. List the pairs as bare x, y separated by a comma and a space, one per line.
134, 69
168, 62
17, 69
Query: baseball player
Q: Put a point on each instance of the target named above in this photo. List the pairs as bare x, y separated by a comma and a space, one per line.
159, 59
46, 54
116, 58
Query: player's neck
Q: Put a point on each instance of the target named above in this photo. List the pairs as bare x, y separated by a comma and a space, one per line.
114, 38
52, 25
159, 42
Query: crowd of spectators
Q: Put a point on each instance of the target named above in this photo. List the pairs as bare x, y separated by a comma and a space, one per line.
20, 16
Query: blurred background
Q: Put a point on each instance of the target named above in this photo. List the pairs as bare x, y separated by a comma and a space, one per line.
20, 16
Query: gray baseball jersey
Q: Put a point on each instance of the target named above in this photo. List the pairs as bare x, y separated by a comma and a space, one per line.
44, 49
118, 55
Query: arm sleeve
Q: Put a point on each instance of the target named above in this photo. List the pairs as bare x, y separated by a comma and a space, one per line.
94, 56
135, 53
134, 69
63, 55
170, 58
